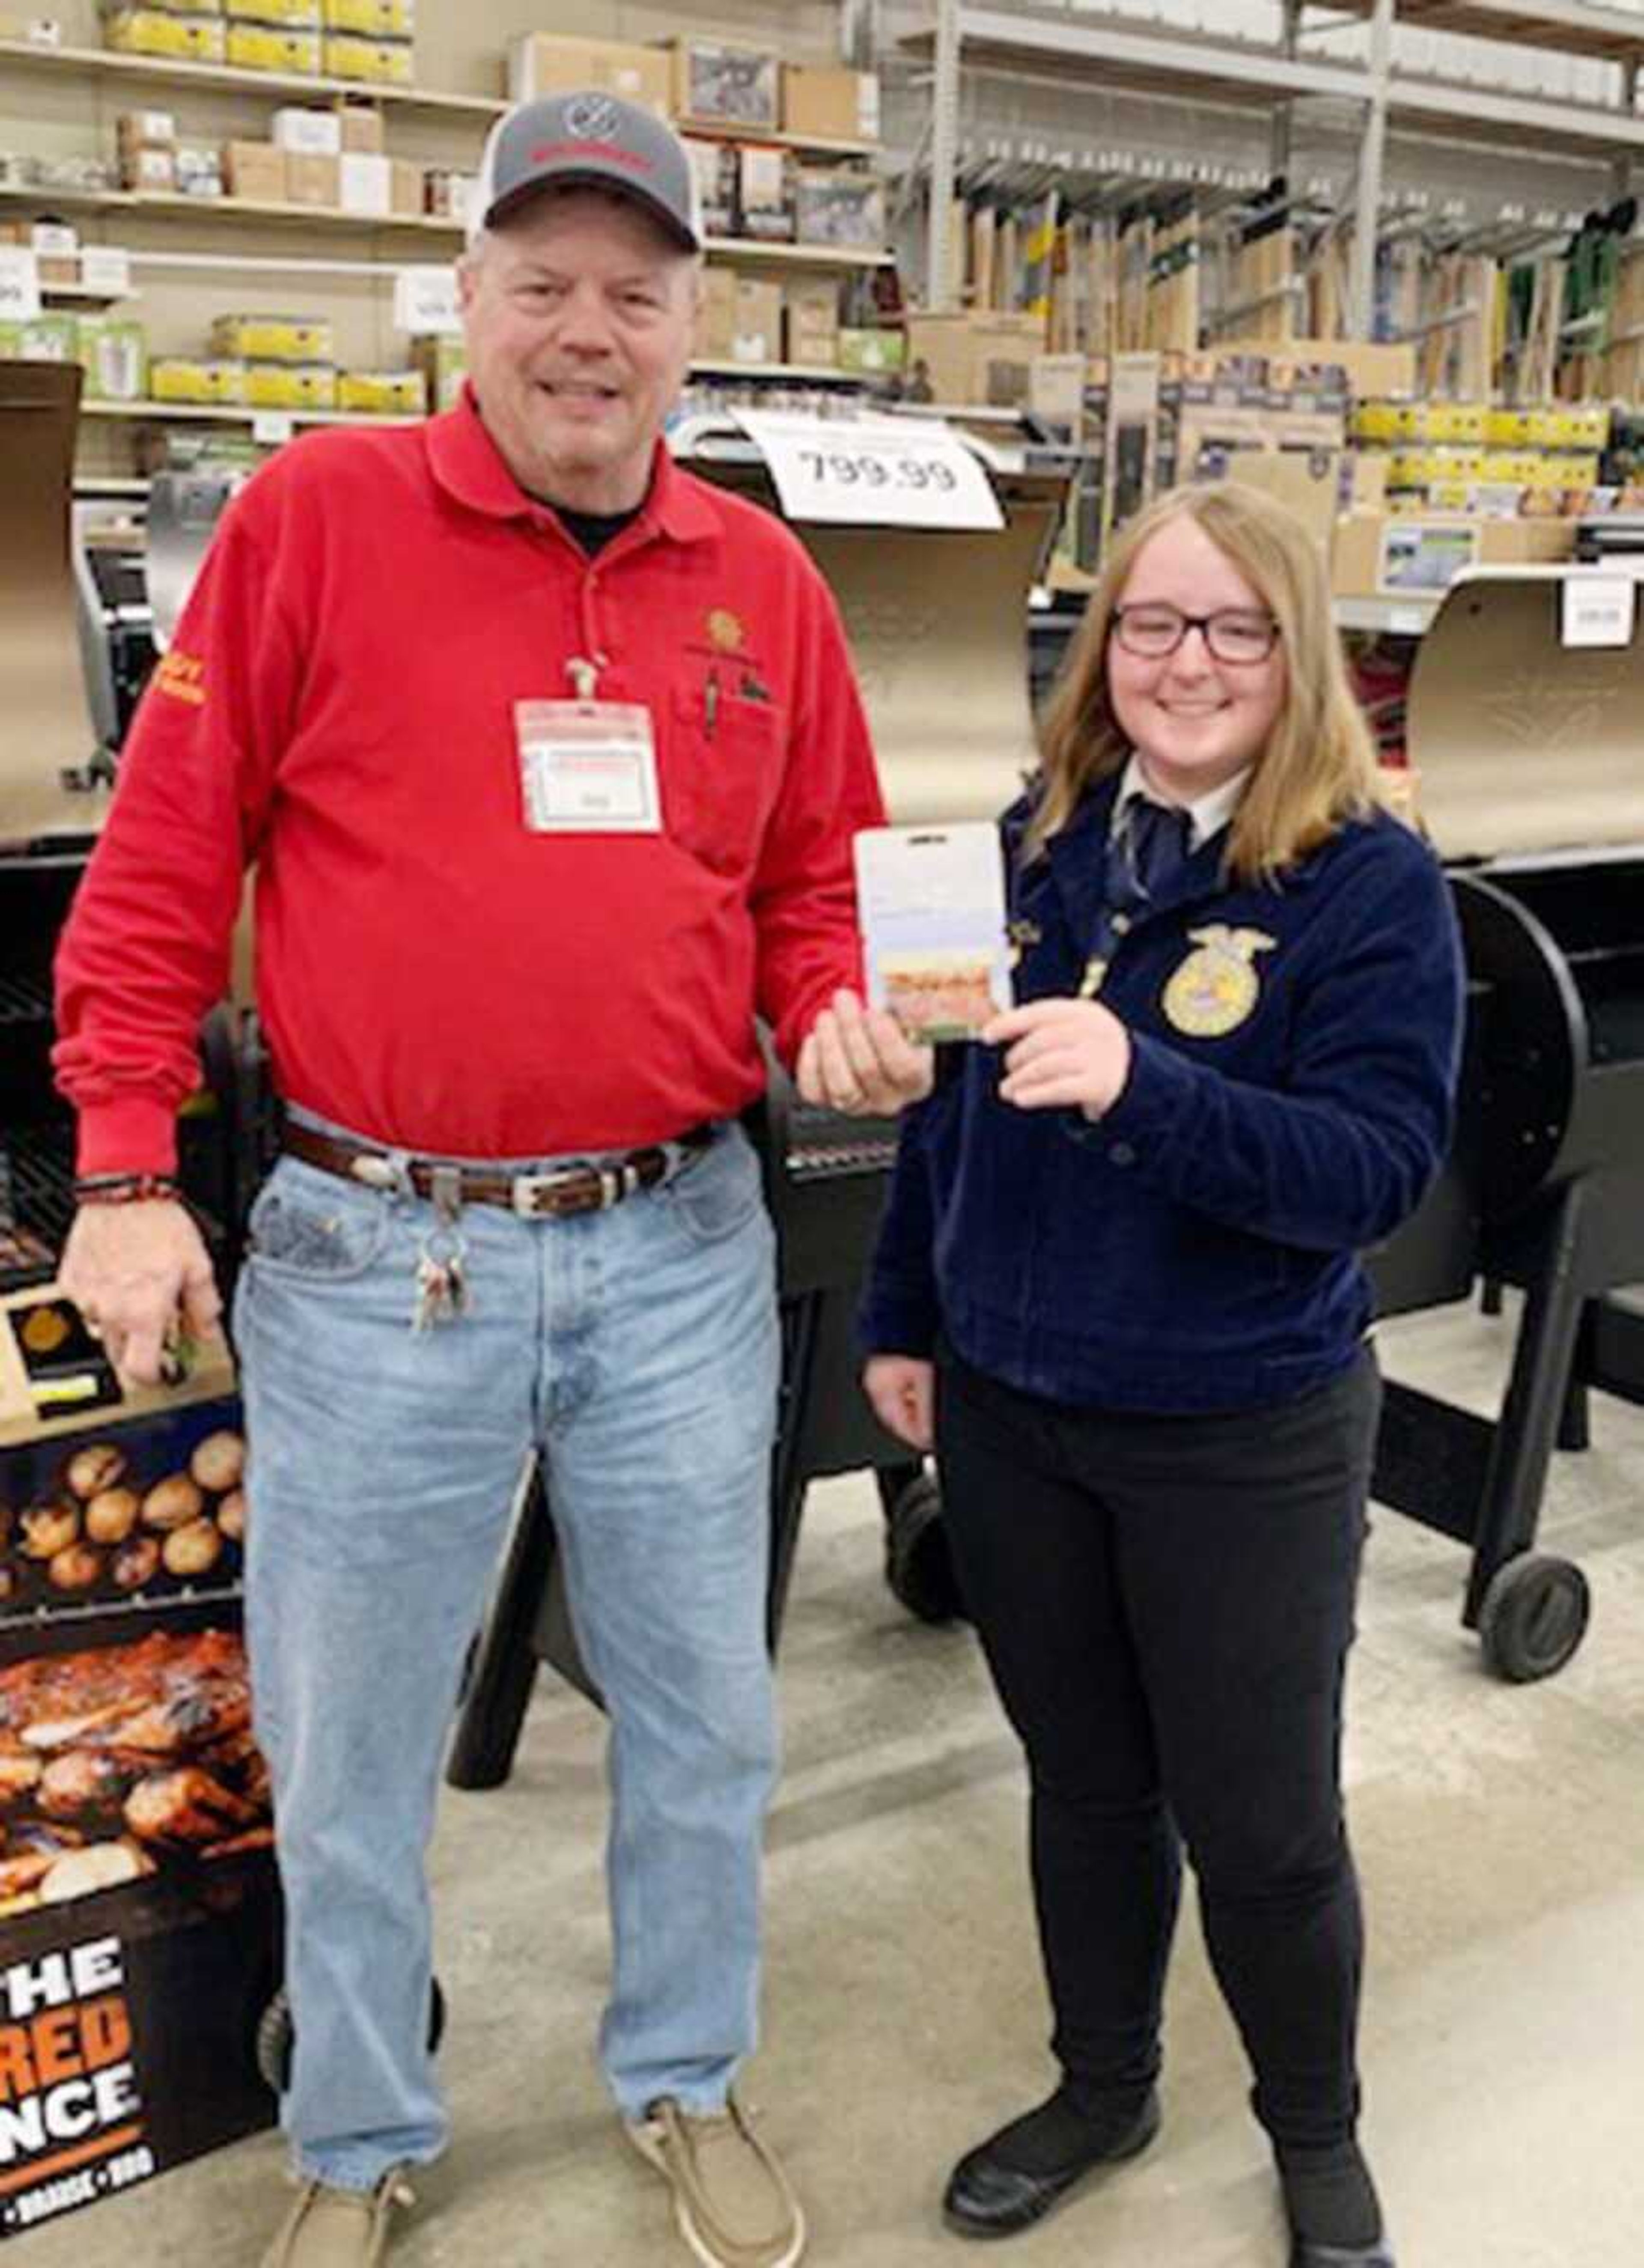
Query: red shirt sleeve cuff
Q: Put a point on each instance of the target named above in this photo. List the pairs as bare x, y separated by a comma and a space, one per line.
132, 1136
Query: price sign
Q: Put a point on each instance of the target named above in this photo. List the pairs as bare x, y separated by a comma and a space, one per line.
106, 270
425, 302
888, 472
19, 284
1598, 609
272, 427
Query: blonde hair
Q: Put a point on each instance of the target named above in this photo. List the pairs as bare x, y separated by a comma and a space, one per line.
1318, 767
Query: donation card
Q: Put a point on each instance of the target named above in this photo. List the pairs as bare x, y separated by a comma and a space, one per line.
932, 911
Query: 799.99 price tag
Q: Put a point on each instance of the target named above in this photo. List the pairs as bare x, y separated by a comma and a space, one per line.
890, 472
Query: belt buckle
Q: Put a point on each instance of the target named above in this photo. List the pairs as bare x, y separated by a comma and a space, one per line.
528, 1188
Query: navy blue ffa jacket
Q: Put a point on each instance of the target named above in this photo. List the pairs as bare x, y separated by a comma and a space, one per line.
1294, 1056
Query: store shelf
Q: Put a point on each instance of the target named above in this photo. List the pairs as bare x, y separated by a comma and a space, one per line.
806, 373
769, 136
1116, 52
1569, 26
1407, 617
56, 200
238, 413
102, 63
1481, 114
741, 249
82, 295
171, 205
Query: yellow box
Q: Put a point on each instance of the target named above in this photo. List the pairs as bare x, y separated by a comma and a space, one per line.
372, 20
1453, 421
179, 39
263, 47
190, 377
442, 363
1509, 429
274, 338
383, 392
376, 63
290, 386
289, 15
1384, 420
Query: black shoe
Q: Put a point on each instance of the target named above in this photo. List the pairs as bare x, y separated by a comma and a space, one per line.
1329, 2197
1014, 2178
1304, 2255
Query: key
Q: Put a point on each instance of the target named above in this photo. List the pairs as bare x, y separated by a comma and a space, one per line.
433, 1293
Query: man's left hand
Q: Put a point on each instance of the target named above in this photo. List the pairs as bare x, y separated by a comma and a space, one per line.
858, 1060
1061, 1054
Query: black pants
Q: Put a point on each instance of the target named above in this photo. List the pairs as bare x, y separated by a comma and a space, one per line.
1167, 1605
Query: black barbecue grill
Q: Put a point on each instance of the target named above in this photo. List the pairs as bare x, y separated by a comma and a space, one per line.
1531, 763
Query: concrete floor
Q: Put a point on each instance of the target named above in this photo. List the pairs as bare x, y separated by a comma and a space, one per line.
1500, 1831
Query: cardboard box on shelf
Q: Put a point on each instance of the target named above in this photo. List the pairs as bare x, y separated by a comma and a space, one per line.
834, 106
765, 210
382, 393
1056, 389
154, 170
871, 353
372, 20
144, 130
273, 338
195, 378
177, 39
811, 321
1306, 481
362, 127
1371, 368
551, 63
1392, 556
405, 188
721, 82
308, 133
269, 47
715, 331
757, 321
443, 363
290, 386
446, 195
963, 353
45, 338
366, 184
290, 15
376, 62
845, 208
713, 166
311, 180
255, 172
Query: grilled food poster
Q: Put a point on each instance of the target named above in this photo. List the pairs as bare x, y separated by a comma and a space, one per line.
932, 912
72, 2127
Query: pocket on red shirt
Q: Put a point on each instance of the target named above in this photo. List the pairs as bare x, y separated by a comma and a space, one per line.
720, 780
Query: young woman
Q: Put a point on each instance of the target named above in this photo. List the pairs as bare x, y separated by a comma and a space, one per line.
1116, 1287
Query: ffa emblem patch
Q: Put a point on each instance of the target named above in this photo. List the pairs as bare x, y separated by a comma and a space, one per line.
725, 629
1216, 987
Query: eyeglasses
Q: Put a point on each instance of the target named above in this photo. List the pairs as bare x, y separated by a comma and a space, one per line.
1234, 633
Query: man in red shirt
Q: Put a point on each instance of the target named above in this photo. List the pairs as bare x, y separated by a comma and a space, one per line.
548, 758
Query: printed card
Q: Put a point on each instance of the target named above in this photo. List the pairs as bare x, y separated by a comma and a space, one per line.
932, 912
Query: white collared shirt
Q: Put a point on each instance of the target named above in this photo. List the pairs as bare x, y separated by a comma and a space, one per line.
1208, 814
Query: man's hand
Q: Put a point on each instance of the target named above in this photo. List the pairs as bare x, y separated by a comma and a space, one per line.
857, 1060
903, 1391
1062, 1053
135, 1271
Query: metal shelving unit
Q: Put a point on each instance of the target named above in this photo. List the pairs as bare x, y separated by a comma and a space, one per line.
164, 70
1123, 55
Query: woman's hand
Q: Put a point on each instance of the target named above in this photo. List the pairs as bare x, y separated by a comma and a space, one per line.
1062, 1054
903, 1391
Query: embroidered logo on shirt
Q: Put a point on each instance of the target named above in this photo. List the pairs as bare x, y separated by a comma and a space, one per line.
724, 631
1217, 987
182, 675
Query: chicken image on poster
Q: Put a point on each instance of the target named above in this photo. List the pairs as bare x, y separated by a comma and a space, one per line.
932, 911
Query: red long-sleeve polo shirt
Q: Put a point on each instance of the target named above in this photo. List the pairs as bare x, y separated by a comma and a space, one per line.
338, 709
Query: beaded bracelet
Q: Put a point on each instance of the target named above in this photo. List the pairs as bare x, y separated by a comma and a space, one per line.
126, 1189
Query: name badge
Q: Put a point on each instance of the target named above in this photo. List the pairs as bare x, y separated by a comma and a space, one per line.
587, 767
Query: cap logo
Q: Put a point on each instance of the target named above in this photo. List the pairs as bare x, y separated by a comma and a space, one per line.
593, 118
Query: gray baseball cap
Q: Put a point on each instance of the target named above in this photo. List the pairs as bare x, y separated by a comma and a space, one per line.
591, 139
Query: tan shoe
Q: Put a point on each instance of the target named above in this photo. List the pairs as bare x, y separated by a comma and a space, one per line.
338, 2229
731, 2198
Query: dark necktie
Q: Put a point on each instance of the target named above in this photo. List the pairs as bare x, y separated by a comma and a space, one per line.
1153, 840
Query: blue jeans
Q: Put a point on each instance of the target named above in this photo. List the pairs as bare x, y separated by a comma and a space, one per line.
637, 1349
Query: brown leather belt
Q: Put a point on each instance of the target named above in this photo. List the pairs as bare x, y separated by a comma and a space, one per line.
591, 1188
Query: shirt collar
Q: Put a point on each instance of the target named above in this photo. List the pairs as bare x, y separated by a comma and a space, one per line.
1208, 814
468, 466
